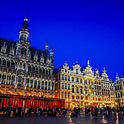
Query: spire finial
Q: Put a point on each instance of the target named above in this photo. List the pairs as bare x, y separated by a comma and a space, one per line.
46, 45
88, 62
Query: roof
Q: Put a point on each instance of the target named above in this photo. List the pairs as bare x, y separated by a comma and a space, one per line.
9, 44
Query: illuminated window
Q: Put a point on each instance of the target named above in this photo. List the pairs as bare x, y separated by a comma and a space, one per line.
72, 97
72, 88
65, 86
69, 86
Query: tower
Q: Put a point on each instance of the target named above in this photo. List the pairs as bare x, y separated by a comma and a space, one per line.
22, 54
23, 44
52, 55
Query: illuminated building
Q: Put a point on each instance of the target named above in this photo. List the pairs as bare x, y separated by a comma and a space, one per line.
82, 87
26, 73
119, 91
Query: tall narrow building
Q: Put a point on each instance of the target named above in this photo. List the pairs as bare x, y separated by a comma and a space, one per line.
26, 73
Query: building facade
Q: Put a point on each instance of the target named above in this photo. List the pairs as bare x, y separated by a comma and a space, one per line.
119, 91
25, 71
81, 87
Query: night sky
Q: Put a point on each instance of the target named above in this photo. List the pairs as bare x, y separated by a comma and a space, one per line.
77, 29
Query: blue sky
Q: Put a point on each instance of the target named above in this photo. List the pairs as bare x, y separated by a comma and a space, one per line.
78, 30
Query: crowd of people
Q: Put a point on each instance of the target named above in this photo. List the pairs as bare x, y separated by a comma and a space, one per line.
103, 110
24, 111
92, 110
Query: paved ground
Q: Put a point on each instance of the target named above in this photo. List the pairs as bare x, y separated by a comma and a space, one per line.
82, 119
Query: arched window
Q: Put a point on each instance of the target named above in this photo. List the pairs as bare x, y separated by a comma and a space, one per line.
23, 51
42, 86
49, 72
33, 69
39, 84
35, 84
29, 68
8, 64
4, 63
36, 69
46, 85
46, 72
81, 89
43, 71
12, 64
40, 70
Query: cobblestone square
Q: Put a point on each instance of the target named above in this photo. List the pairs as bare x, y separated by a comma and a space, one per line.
81, 119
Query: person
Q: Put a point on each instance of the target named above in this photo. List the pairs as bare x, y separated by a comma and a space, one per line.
96, 111
92, 111
4, 110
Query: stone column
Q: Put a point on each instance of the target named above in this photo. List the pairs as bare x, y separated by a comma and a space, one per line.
6, 78
1, 79
25, 82
33, 83
44, 85
11, 80
15, 83
50, 86
63, 94
37, 84
40, 83
47, 84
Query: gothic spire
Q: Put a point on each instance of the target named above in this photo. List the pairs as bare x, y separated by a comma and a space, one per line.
24, 33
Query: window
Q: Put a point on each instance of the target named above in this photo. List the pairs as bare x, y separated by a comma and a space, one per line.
80, 80
62, 85
62, 95
76, 71
85, 82
69, 86
65, 86
65, 77
62, 77
72, 88
68, 78
73, 79
42, 86
65, 94
81, 89
76, 79
72, 97
77, 90
68, 95
81, 97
